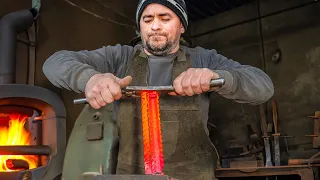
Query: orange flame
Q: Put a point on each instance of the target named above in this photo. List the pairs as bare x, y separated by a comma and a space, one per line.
15, 135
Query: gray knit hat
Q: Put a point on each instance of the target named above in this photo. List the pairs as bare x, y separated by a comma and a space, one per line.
177, 6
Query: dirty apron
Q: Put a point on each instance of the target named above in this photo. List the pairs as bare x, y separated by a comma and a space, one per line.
188, 152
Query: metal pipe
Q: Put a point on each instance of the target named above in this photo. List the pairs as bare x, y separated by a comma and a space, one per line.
36, 4
25, 150
10, 25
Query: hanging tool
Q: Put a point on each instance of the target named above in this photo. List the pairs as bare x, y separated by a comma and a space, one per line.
276, 134
286, 142
316, 135
253, 138
265, 135
135, 91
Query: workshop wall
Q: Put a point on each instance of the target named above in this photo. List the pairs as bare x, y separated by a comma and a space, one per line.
295, 32
65, 27
293, 28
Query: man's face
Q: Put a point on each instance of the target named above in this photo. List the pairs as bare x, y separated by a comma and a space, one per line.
160, 30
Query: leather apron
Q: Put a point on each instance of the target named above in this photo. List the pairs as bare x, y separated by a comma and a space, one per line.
188, 151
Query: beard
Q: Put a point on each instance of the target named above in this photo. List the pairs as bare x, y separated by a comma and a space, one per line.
158, 44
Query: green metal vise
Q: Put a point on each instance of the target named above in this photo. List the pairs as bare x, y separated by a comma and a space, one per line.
125, 177
93, 144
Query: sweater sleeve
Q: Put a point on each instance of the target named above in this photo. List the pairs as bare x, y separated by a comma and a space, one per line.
243, 83
72, 69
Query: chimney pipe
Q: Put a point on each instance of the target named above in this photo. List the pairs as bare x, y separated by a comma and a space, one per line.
10, 25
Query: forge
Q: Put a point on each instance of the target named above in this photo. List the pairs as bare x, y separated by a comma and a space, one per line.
32, 133
32, 118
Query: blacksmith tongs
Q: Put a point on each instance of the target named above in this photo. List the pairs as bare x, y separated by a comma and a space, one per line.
135, 91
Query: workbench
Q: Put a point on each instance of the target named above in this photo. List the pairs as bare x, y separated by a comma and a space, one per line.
304, 171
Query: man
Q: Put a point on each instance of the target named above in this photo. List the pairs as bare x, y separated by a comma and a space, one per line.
160, 60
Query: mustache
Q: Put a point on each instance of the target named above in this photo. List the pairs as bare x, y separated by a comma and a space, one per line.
157, 34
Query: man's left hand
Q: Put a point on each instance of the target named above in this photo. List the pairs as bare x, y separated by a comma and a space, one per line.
194, 81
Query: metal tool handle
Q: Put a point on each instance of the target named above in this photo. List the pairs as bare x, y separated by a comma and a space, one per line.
214, 83
263, 120
275, 116
80, 101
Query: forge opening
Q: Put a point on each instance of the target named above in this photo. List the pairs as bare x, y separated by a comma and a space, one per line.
20, 138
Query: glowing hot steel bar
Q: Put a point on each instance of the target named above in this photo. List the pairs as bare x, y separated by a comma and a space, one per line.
152, 137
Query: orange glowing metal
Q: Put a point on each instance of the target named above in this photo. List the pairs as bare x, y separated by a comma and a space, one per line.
146, 134
13, 135
152, 137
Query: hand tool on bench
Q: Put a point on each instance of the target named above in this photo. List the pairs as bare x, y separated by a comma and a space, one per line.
295, 162
135, 91
263, 124
276, 134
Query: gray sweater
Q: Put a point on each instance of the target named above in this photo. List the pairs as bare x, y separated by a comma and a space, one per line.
71, 70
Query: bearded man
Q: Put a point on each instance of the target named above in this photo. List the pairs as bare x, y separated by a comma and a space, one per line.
160, 60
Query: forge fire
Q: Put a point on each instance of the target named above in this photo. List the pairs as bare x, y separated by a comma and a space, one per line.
14, 134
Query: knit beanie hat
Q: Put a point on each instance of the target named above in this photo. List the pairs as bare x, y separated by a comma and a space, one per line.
177, 6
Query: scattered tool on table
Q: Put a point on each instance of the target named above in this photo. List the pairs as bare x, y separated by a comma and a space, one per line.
294, 162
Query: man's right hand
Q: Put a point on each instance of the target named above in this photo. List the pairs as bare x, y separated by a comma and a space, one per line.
103, 89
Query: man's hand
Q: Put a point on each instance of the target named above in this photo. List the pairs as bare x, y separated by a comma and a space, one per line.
103, 89
194, 81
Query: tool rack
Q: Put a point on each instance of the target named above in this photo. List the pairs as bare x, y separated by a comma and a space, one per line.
253, 168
